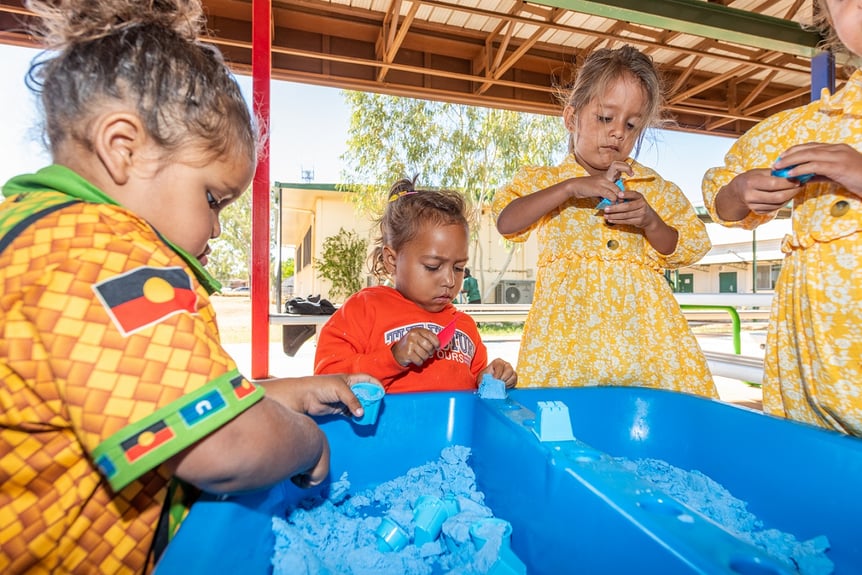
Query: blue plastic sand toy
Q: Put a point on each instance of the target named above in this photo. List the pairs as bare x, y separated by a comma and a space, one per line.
606, 202
782, 173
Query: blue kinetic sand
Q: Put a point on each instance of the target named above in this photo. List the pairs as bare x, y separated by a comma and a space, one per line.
492, 388
585, 505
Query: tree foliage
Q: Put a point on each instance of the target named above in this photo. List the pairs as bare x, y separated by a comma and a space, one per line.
466, 148
231, 251
341, 262
287, 267
470, 149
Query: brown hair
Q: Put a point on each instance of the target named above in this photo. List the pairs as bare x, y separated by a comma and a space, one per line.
146, 54
407, 211
822, 23
603, 67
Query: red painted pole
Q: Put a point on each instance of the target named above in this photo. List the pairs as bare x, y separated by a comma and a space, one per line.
261, 72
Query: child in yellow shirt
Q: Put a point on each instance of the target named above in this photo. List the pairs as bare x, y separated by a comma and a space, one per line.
812, 156
603, 313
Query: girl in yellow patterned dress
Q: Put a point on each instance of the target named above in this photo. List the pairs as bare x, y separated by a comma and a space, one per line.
813, 365
604, 313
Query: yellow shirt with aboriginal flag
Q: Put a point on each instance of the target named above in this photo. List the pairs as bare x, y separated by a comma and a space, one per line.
110, 364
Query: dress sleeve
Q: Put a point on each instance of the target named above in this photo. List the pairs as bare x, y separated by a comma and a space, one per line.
138, 358
751, 151
677, 212
346, 345
521, 185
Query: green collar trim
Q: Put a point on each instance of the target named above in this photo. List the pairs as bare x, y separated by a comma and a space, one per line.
63, 180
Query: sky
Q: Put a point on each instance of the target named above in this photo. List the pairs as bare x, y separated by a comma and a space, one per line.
309, 132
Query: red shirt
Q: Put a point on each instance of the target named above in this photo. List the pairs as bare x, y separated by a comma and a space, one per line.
360, 335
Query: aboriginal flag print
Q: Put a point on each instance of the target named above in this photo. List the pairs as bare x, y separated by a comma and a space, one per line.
147, 440
242, 387
145, 296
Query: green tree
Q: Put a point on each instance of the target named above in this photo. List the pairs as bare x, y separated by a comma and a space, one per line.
231, 251
287, 268
341, 262
466, 148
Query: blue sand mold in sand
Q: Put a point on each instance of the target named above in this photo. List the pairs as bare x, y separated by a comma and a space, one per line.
336, 535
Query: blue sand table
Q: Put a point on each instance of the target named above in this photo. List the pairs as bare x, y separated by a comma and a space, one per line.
579, 506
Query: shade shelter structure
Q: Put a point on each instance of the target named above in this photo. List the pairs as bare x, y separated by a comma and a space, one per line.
728, 63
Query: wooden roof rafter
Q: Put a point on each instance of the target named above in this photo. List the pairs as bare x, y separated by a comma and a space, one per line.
746, 62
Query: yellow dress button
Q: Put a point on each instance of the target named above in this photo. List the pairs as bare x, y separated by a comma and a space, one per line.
613, 244
840, 208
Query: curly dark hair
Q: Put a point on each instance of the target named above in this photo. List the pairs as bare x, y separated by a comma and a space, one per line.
143, 53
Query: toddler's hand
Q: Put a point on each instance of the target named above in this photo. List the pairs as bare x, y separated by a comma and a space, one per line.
319, 394
503, 371
761, 192
635, 211
415, 347
593, 187
616, 170
316, 474
838, 162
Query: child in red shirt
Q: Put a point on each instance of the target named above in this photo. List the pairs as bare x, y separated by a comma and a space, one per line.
397, 333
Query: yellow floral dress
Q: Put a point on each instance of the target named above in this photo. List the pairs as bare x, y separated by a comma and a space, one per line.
603, 313
813, 364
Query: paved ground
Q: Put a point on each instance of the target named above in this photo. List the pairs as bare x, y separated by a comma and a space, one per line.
234, 323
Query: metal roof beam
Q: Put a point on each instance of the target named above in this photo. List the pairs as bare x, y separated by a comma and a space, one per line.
703, 19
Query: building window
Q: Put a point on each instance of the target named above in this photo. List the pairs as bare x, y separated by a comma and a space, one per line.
306, 248
767, 274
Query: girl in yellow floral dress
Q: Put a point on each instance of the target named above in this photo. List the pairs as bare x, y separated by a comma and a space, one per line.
604, 313
813, 366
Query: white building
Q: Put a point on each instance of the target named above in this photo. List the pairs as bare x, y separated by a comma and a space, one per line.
310, 213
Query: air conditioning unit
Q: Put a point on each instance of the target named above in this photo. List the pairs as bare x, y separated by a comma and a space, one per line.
515, 291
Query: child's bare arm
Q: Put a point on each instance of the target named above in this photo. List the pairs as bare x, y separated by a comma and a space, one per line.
273, 440
526, 210
319, 394
756, 191
263, 445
